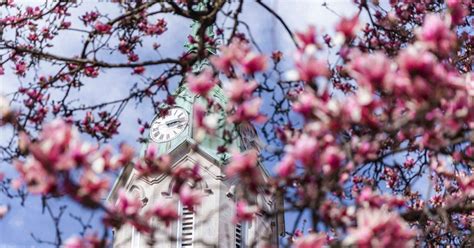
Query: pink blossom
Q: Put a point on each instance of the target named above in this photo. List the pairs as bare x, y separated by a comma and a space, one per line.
133, 57
93, 187
380, 228
252, 63
243, 165
312, 240
307, 38
228, 55
239, 90
371, 70
202, 83
102, 28
347, 26
20, 68
91, 71
305, 149
244, 212
199, 114
165, 211
36, 178
248, 111
153, 29
286, 167
65, 25
223, 62
369, 198
3, 211
32, 37
152, 163
409, 163
90, 17
190, 197
305, 103
308, 67
238, 54
139, 70
89, 241
75, 242
459, 9
127, 204
332, 158
436, 34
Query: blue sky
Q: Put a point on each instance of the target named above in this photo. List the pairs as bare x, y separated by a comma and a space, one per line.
16, 227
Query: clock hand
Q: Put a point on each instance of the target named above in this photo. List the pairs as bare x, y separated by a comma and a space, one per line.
174, 122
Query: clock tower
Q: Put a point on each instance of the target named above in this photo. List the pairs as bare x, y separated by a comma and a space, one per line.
211, 223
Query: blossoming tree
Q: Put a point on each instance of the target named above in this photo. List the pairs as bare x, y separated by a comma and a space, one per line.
374, 148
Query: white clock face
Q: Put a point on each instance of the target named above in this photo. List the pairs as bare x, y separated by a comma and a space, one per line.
166, 128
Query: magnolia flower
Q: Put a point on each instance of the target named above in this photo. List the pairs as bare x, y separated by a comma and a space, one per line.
347, 27
35, 176
305, 149
202, 83
331, 158
89, 241
380, 228
371, 70
244, 212
252, 63
307, 68
75, 242
238, 54
312, 240
239, 90
248, 111
243, 164
20, 68
436, 34
3, 211
102, 28
149, 165
92, 186
190, 197
127, 204
307, 37
165, 211
305, 103
286, 167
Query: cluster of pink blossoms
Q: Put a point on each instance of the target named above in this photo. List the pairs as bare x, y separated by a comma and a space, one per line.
243, 106
58, 154
376, 227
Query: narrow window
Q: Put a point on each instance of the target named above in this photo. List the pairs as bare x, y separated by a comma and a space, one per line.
186, 228
240, 235
135, 243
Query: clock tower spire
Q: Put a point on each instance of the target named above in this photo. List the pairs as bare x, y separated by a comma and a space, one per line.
176, 135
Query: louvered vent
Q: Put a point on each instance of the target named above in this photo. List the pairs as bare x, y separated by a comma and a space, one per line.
187, 228
238, 236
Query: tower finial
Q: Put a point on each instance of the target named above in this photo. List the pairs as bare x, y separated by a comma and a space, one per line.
193, 39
